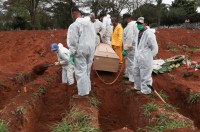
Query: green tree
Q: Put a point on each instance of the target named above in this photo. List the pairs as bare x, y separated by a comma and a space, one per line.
13, 14
44, 20
188, 5
113, 7
174, 16
19, 23
198, 2
148, 11
159, 10
28, 6
61, 13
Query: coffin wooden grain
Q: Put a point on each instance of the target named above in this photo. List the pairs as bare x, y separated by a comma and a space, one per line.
105, 59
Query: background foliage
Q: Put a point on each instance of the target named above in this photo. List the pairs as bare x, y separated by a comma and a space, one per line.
55, 14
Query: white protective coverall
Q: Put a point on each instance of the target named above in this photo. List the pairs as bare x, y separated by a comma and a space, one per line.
81, 38
63, 55
143, 63
99, 28
129, 43
107, 24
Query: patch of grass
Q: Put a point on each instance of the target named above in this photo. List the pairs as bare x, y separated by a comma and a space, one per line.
162, 94
75, 121
3, 126
192, 49
63, 126
49, 80
153, 95
193, 99
20, 110
164, 123
41, 90
35, 94
2, 84
174, 49
19, 113
128, 90
20, 77
94, 101
169, 107
150, 107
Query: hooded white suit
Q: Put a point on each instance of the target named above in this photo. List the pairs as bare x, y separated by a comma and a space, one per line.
143, 63
99, 28
81, 38
63, 56
129, 43
107, 24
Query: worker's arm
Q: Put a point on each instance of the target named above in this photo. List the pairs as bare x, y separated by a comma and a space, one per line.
64, 58
128, 38
73, 38
102, 29
152, 43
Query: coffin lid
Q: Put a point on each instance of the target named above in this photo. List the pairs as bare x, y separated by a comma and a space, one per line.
104, 50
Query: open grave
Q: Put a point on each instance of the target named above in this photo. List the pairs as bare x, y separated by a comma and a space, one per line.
32, 100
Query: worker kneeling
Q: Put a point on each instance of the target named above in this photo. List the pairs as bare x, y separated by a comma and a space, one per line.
63, 56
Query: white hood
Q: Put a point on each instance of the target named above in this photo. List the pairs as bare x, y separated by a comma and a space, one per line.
83, 21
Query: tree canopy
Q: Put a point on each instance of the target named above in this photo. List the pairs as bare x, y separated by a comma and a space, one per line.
55, 14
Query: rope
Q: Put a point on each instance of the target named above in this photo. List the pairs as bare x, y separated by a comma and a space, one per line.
110, 83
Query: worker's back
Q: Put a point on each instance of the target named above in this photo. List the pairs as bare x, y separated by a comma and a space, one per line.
83, 36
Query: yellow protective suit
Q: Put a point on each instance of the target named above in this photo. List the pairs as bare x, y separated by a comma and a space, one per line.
116, 41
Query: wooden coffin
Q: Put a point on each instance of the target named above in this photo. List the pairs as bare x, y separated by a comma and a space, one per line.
105, 59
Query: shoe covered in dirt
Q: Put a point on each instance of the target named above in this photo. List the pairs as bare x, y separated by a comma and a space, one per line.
128, 82
135, 89
76, 96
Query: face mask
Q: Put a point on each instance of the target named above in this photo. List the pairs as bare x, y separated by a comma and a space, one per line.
140, 27
124, 24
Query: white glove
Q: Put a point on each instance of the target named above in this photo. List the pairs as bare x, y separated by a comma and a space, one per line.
56, 63
127, 46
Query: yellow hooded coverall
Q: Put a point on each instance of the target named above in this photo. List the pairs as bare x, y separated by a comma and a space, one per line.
116, 41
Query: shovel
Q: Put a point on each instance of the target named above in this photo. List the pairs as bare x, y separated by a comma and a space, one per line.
41, 68
156, 93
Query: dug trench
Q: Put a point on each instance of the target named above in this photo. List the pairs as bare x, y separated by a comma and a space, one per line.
40, 100
120, 108
181, 92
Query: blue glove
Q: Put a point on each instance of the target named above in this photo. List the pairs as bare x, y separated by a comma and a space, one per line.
124, 53
71, 60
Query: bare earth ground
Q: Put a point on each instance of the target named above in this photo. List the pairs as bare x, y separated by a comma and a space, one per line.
20, 51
